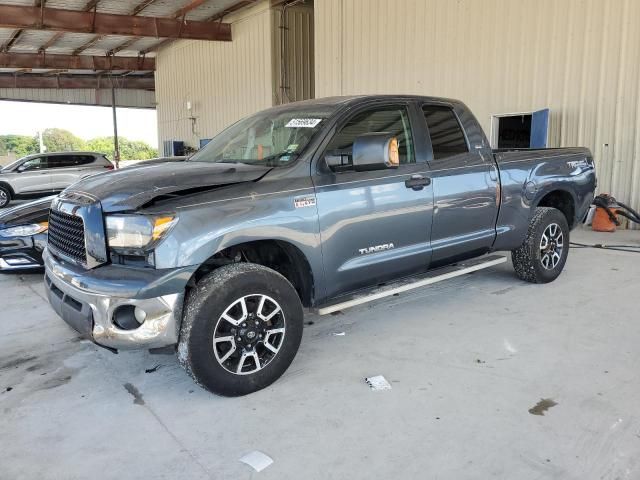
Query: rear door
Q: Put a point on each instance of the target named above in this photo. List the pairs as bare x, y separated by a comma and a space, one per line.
69, 168
374, 227
465, 189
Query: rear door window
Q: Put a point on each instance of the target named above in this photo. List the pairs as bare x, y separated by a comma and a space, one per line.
447, 137
60, 161
80, 160
69, 161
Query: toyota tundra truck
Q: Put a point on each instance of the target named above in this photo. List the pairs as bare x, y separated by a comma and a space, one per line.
310, 206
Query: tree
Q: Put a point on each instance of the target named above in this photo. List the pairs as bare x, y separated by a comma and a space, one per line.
129, 149
20, 145
59, 140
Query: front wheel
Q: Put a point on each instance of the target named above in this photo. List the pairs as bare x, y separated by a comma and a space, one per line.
241, 329
543, 254
5, 196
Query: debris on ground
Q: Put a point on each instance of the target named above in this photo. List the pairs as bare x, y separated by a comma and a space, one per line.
378, 383
152, 369
135, 393
257, 460
339, 334
542, 406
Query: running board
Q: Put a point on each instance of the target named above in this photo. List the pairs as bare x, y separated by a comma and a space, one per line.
433, 276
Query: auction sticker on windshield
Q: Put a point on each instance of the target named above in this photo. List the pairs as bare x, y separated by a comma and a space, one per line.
303, 122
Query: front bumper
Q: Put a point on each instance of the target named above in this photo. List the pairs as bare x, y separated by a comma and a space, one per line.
88, 299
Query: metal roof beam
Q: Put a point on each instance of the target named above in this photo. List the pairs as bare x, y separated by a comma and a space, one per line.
192, 5
180, 13
44, 18
231, 9
75, 62
88, 44
54, 38
215, 18
123, 46
9, 80
141, 6
9, 43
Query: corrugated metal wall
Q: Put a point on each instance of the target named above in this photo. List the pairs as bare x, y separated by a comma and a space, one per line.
224, 81
294, 77
124, 98
580, 58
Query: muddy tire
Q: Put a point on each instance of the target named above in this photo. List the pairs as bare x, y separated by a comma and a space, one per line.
242, 326
543, 254
5, 196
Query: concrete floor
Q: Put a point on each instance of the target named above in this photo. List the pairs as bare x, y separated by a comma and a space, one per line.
467, 360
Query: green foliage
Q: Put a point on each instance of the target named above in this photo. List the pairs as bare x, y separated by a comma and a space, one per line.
129, 149
59, 140
21, 145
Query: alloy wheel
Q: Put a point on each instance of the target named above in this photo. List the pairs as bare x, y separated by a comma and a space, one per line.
551, 246
249, 334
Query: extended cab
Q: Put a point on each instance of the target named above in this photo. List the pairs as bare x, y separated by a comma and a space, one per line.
300, 206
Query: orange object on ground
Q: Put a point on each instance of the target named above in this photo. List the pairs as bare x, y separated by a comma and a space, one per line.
602, 222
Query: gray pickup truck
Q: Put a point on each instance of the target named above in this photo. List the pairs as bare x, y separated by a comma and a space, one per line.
308, 205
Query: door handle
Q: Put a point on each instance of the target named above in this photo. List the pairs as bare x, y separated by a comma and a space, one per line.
417, 182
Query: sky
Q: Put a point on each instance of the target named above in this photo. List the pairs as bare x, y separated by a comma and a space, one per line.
86, 122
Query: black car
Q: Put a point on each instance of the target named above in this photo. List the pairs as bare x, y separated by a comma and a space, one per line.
23, 235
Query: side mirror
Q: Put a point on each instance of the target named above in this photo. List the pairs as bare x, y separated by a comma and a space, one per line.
375, 151
21, 169
337, 162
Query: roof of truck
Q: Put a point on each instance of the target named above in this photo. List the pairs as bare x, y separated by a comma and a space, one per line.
341, 100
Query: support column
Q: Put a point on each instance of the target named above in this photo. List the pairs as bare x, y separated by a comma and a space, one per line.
116, 145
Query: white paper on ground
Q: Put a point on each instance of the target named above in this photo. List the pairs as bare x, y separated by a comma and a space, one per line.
378, 383
257, 460
339, 334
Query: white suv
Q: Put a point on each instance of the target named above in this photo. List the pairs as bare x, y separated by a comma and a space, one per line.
42, 174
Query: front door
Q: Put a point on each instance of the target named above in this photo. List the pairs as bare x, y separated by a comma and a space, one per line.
32, 177
374, 227
465, 190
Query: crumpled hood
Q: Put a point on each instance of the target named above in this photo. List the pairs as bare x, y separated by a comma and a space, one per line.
131, 187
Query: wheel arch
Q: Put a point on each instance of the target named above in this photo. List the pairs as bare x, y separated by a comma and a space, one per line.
282, 256
560, 199
8, 187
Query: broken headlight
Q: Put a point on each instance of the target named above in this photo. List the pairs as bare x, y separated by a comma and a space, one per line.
134, 234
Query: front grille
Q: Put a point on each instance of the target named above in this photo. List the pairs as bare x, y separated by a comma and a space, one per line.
66, 235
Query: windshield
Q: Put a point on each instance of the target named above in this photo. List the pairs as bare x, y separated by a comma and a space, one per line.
270, 138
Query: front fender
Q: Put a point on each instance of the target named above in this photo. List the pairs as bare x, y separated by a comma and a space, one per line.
203, 231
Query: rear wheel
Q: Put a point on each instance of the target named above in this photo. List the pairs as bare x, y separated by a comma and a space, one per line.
241, 329
5, 196
543, 254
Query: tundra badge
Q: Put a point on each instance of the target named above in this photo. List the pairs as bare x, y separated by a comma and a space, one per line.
376, 248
